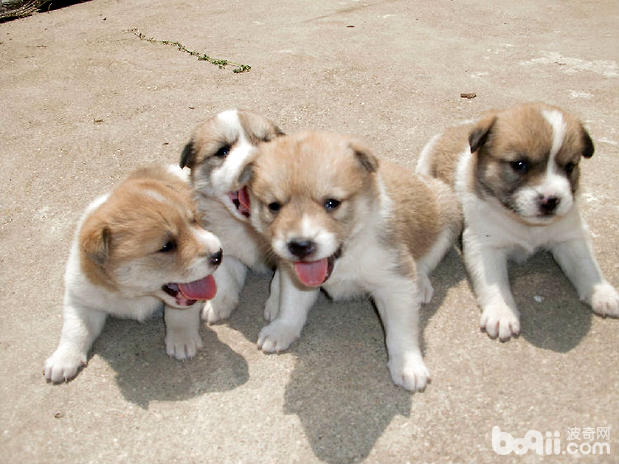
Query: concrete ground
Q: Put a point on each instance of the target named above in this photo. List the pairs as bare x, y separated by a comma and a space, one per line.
84, 101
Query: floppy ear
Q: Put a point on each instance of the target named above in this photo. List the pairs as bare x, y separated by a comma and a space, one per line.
479, 135
588, 143
96, 241
188, 156
364, 156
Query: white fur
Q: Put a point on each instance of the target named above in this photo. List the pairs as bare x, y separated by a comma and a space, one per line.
424, 163
365, 267
240, 243
553, 184
224, 177
155, 196
86, 307
326, 241
492, 236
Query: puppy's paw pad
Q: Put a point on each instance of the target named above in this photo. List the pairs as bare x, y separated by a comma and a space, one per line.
63, 364
276, 337
500, 322
217, 310
605, 300
425, 288
181, 344
409, 372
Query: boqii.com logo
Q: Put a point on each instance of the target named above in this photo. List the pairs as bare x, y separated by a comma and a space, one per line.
580, 441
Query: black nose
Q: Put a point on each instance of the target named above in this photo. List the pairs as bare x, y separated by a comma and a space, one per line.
549, 204
301, 248
215, 258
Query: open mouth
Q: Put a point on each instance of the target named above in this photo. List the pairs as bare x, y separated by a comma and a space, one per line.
240, 199
188, 293
316, 273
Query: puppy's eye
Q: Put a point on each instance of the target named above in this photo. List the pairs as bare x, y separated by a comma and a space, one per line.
169, 246
520, 166
223, 151
274, 207
331, 204
569, 167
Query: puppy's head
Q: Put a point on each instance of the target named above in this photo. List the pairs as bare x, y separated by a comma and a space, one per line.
528, 160
309, 193
145, 240
218, 151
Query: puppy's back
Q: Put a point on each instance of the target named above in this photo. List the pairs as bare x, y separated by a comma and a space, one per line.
422, 207
439, 158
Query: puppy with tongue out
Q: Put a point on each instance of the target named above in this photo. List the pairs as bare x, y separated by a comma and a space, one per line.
339, 219
135, 250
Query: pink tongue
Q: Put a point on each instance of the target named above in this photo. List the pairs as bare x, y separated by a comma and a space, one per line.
243, 200
203, 289
312, 274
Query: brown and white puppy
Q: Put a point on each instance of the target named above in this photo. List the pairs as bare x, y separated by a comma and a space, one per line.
516, 173
134, 249
339, 219
217, 152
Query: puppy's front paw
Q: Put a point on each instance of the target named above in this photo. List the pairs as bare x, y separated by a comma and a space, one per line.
605, 300
182, 344
219, 309
409, 371
63, 365
276, 337
500, 321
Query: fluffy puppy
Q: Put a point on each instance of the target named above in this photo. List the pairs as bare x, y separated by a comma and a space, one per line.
216, 154
339, 219
517, 174
134, 249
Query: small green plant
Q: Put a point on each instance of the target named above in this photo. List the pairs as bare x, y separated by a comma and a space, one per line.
221, 63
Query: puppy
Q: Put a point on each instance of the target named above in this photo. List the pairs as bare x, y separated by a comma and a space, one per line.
136, 248
216, 154
339, 219
517, 173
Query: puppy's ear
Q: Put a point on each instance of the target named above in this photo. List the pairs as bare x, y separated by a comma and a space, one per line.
588, 144
364, 156
188, 156
479, 135
258, 128
96, 241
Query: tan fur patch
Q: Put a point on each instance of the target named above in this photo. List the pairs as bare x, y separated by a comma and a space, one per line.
214, 134
419, 211
519, 132
300, 172
144, 212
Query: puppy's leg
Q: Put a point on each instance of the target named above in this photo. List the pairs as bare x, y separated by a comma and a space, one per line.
295, 303
488, 270
230, 278
271, 307
579, 265
182, 337
430, 260
398, 306
80, 328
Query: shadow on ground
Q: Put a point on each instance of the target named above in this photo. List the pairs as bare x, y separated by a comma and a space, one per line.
145, 373
551, 315
340, 388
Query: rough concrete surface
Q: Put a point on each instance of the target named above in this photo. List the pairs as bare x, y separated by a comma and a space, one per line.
84, 101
